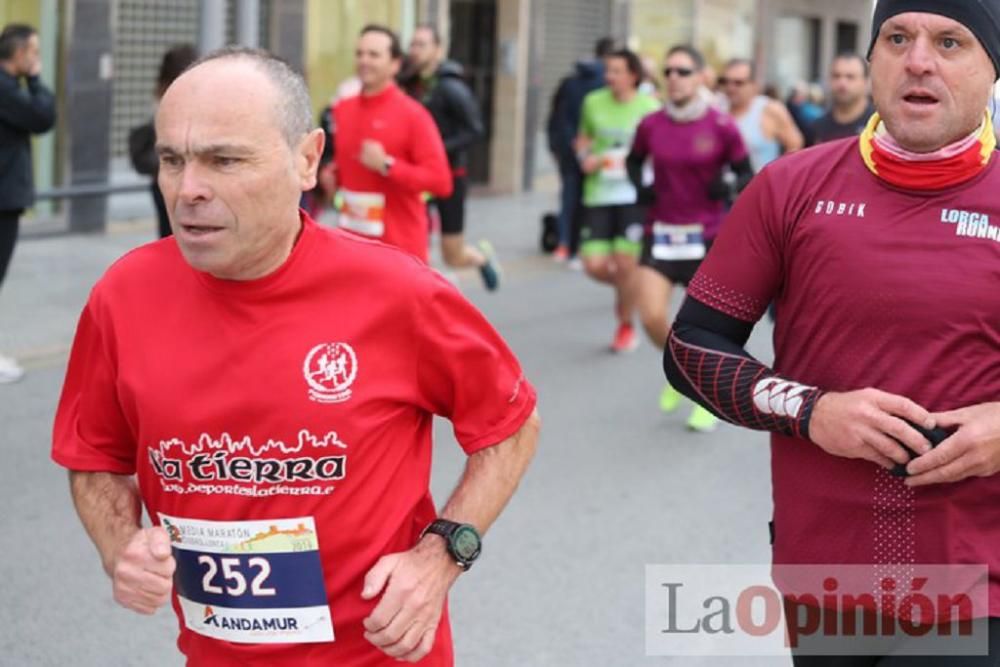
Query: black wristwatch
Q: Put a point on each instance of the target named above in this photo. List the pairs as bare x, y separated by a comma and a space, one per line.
387, 164
461, 539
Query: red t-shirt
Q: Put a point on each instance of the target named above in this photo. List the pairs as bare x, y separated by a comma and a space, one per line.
875, 287
390, 208
280, 430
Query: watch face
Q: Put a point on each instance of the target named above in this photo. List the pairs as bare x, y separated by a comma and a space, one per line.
466, 543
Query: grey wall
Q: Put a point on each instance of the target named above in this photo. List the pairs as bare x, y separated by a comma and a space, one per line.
87, 107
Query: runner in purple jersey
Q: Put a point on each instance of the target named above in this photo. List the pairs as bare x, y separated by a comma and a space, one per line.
699, 162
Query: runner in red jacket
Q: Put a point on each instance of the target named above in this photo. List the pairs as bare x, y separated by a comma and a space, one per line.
386, 152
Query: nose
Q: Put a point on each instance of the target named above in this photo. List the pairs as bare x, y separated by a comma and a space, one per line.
919, 58
193, 187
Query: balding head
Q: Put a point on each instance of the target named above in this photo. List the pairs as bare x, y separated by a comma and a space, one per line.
292, 106
236, 152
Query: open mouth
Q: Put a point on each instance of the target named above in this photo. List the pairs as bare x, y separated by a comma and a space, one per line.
920, 99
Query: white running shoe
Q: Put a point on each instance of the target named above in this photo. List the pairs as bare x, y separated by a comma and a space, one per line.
10, 371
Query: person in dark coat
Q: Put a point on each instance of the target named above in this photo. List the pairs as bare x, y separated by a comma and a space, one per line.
142, 139
561, 128
26, 107
438, 84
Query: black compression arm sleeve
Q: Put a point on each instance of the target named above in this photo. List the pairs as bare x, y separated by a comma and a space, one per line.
706, 361
633, 166
744, 172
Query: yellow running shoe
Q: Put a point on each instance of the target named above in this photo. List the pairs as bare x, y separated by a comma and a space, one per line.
701, 420
670, 398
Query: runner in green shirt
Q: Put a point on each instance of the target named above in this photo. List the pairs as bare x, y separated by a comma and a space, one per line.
613, 219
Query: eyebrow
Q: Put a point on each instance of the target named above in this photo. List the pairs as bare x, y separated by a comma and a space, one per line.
954, 32
208, 149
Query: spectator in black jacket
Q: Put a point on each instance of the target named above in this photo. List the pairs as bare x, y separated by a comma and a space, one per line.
438, 84
24, 110
562, 127
142, 139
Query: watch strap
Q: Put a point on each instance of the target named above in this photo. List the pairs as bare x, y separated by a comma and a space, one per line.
442, 527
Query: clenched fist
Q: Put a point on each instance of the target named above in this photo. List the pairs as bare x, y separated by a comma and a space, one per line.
142, 571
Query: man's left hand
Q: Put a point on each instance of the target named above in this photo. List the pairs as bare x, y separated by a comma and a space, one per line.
415, 583
973, 450
373, 155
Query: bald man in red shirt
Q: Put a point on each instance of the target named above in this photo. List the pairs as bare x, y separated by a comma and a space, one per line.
386, 152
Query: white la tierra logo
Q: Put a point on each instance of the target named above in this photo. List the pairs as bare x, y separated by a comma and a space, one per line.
330, 369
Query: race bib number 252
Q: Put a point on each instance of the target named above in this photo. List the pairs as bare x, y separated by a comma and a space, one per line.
251, 581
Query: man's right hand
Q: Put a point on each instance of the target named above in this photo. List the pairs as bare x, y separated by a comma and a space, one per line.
590, 164
862, 424
142, 571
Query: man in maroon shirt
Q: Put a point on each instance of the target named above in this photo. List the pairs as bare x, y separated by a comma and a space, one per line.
883, 259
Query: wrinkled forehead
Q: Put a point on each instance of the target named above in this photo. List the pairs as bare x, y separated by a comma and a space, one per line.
222, 98
915, 22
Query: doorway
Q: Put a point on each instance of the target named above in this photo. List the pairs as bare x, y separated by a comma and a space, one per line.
473, 41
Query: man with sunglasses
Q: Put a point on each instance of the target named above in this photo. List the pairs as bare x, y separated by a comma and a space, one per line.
768, 129
690, 145
881, 253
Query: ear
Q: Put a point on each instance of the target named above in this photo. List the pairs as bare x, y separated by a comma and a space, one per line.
309, 152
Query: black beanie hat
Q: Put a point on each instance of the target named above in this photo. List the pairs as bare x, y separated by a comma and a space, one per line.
982, 17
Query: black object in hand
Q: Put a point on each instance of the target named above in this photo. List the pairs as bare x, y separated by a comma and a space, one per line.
934, 436
646, 196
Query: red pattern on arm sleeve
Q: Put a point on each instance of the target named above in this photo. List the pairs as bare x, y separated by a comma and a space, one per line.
744, 391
